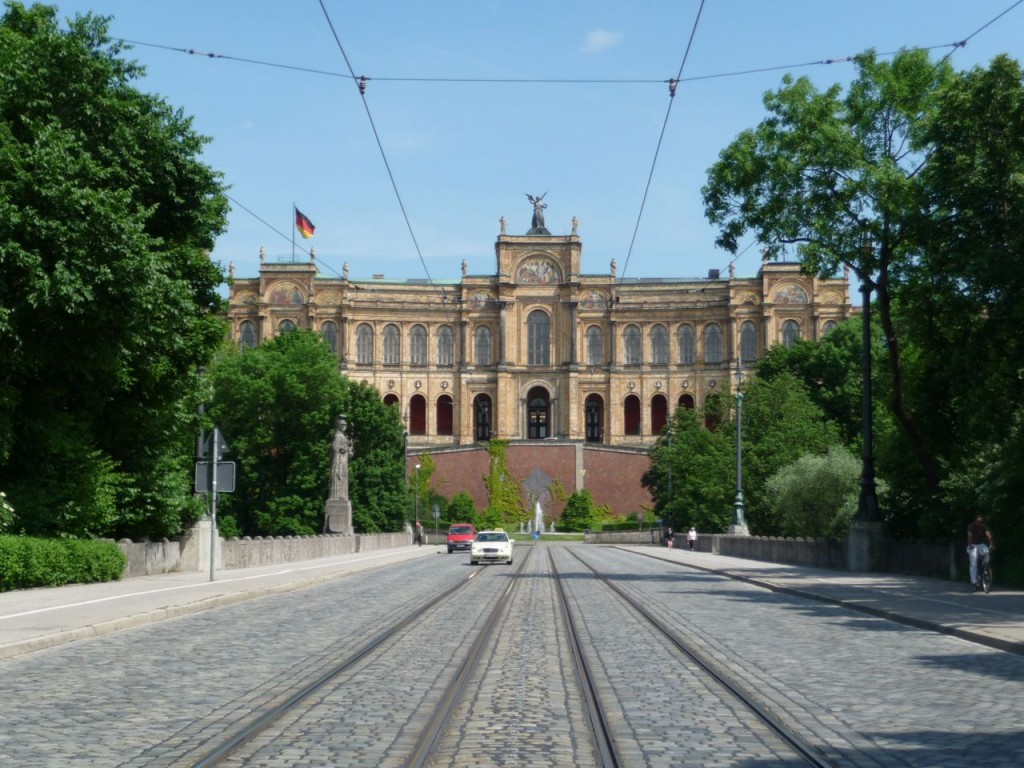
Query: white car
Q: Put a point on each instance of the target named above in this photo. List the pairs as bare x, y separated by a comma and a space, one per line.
491, 547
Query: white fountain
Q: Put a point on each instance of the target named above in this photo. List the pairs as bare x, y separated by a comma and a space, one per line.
538, 518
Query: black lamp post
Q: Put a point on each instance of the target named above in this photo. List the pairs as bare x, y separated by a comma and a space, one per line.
417, 492
739, 523
867, 502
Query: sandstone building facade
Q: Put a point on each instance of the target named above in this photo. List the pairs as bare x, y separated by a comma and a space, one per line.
538, 352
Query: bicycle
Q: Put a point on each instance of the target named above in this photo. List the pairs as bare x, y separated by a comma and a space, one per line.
984, 571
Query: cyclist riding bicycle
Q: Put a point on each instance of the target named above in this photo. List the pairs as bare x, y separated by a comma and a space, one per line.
979, 541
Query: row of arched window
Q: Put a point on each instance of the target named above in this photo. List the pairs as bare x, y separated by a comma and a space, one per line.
538, 415
538, 325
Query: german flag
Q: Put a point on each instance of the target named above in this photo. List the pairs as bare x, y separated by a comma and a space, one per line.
304, 225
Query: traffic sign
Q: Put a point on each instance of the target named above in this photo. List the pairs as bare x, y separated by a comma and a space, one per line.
225, 477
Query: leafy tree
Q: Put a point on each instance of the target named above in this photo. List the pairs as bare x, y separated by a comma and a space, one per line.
830, 370
277, 405
580, 513
816, 496
692, 474
461, 509
780, 423
107, 296
839, 179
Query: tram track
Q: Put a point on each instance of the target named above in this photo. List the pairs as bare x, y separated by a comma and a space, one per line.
238, 739
739, 692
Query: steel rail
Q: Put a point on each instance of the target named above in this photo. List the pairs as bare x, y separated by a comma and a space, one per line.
604, 742
431, 734
252, 728
811, 754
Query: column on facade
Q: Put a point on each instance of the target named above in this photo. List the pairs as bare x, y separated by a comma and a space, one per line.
343, 341
573, 332
502, 322
463, 349
613, 338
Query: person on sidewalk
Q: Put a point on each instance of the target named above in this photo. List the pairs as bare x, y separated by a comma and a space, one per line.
670, 538
691, 538
418, 534
979, 541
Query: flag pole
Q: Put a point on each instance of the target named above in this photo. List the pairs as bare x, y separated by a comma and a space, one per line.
294, 219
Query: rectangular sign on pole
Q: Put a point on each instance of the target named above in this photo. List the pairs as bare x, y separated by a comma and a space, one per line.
225, 477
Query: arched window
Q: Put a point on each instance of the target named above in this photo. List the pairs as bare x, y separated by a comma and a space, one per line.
659, 414
686, 401
790, 333
286, 326
594, 418
418, 345
390, 399
392, 345
687, 340
595, 345
631, 412
634, 345
538, 326
483, 345
417, 415
538, 414
829, 326
748, 342
444, 415
482, 417
712, 343
329, 330
247, 338
364, 344
445, 346
659, 345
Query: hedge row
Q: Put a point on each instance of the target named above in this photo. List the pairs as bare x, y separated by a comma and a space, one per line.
27, 562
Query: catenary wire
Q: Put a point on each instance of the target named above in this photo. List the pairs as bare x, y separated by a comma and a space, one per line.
661, 137
384, 157
679, 79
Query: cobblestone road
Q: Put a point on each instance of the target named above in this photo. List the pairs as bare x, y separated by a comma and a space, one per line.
868, 692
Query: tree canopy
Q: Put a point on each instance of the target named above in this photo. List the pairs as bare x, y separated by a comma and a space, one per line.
839, 180
277, 405
108, 296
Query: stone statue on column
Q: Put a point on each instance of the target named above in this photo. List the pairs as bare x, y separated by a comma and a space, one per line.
338, 512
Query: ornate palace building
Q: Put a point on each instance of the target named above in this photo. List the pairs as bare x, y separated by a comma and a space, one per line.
538, 349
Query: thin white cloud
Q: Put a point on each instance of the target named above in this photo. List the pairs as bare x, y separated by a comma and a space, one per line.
598, 40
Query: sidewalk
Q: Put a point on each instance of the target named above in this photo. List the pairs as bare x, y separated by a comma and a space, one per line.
995, 619
33, 619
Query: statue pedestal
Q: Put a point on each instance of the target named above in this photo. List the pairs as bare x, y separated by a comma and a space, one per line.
338, 516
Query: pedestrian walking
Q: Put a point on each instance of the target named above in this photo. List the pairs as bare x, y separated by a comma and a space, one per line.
691, 538
670, 538
418, 539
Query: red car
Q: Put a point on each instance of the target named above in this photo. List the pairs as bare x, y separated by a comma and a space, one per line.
460, 536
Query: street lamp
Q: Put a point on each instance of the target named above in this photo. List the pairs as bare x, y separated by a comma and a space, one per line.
417, 493
739, 523
867, 502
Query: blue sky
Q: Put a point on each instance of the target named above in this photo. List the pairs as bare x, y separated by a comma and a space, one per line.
463, 154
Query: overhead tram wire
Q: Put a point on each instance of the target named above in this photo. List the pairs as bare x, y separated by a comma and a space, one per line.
984, 26
361, 84
661, 137
523, 80
362, 80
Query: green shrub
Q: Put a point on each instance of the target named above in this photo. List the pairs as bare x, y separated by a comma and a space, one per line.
29, 562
